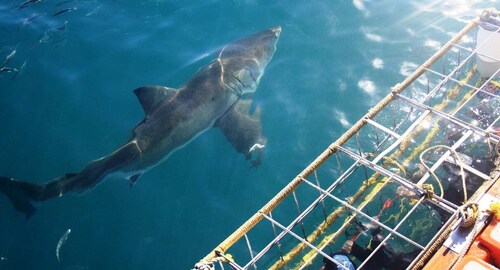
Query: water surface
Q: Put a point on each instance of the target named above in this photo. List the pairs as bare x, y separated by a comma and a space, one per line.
73, 102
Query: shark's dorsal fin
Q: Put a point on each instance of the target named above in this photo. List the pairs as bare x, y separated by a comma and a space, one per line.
150, 96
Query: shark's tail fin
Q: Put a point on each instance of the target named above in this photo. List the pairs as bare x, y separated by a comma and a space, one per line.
21, 194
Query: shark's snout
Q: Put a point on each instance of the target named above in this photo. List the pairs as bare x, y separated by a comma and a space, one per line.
174, 117
276, 30
243, 62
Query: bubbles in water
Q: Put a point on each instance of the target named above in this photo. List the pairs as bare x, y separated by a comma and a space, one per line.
434, 44
378, 63
341, 117
367, 86
407, 68
360, 5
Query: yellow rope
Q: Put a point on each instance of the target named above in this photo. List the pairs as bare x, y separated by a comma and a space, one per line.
469, 214
495, 209
458, 162
329, 238
452, 93
430, 190
396, 217
486, 185
256, 218
320, 229
495, 83
396, 163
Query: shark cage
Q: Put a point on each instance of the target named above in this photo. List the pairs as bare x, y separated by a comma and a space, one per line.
399, 181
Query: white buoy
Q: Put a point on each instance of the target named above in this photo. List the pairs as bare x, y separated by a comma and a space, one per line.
488, 48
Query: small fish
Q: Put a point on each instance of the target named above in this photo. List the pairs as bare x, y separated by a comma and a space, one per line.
5, 68
3, 259
8, 69
18, 72
63, 26
59, 43
62, 240
29, 20
64, 2
64, 10
34, 16
27, 3
10, 56
53, 34
92, 12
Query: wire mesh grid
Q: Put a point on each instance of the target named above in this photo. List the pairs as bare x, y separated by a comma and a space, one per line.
393, 182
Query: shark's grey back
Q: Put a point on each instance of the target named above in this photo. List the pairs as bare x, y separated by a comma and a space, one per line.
215, 96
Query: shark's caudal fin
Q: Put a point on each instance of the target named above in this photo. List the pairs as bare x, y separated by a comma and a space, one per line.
22, 193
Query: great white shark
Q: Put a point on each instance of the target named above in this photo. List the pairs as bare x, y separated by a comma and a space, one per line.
216, 96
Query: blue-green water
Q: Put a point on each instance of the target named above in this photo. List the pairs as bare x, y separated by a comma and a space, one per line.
73, 102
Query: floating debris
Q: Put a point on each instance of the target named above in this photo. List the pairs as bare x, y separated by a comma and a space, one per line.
62, 240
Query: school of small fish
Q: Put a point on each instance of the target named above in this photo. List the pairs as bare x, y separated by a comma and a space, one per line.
53, 33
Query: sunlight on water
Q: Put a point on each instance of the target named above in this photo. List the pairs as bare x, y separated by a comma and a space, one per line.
66, 98
378, 63
407, 68
434, 44
367, 86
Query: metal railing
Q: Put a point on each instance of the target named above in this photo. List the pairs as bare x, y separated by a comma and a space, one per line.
379, 162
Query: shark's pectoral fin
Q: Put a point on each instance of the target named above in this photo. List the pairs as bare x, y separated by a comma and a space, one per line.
151, 96
133, 179
243, 131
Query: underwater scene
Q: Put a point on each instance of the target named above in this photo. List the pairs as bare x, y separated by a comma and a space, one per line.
140, 134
